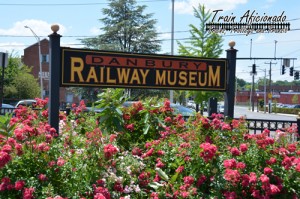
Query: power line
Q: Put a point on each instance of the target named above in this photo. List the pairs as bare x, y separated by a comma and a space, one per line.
293, 19
179, 31
68, 4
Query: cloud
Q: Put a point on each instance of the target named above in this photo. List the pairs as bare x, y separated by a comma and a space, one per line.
40, 28
14, 48
260, 38
17, 31
95, 31
186, 6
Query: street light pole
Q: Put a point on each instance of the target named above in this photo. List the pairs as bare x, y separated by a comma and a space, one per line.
40, 63
172, 44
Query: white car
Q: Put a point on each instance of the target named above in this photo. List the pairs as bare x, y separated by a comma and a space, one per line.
221, 108
26, 102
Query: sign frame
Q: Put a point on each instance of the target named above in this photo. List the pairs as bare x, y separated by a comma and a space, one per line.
188, 73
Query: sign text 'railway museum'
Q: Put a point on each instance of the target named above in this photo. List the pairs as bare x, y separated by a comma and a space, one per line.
81, 67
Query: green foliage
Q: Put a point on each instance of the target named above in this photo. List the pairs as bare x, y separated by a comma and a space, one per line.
6, 129
89, 94
26, 86
142, 94
202, 44
199, 158
241, 83
110, 103
19, 83
143, 121
295, 99
180, 96
126, 28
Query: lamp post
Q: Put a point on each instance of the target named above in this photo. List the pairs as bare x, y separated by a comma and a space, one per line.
40, 63
172, 44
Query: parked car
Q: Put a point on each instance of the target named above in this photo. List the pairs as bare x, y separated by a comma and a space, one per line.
26, 102
6, 108
220, 108
93, 109
184, 111
178, 109
296, 106
191, 104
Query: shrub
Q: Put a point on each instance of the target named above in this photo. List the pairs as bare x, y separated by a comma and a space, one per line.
159, 156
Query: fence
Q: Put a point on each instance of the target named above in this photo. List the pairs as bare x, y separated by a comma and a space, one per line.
272, 125
3, 110
256, 125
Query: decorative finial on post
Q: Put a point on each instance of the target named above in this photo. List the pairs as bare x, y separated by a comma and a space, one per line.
55, 28
231, 44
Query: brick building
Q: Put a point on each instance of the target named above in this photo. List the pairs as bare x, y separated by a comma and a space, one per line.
290, 97
31, 59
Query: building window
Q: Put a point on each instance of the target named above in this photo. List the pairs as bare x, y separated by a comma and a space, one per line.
45, 58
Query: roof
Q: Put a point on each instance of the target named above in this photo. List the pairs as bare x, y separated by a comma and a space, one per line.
36, 43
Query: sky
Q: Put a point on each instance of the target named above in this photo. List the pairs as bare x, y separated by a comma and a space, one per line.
79, 19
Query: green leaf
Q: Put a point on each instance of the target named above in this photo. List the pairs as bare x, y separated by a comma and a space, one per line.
146, 129
174, 177
155, 185
162, 174
119, 111
5, 128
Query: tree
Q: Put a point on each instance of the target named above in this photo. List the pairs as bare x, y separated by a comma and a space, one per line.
295, 99
19, 83
241, 83
202, 44
27, 86
126, 28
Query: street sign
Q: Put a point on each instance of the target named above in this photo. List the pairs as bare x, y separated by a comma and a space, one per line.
270, 95
3, 59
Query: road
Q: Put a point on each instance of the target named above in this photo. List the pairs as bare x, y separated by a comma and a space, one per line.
245, 111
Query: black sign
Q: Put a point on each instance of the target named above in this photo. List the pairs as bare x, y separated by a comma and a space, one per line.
81, 67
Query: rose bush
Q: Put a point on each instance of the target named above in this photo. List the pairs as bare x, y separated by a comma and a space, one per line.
143, 151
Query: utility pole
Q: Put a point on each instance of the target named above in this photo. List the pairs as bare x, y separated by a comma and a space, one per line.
265, 90
253, 72
252, 93
270, 85
3, 63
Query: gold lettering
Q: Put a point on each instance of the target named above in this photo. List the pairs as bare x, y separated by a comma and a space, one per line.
214, 78
123, 74
182, 78
92, 75
172, 83
144, 75
108, 79
160, 78
76, 69
200, 77
135, 77
101, 74
192, 78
